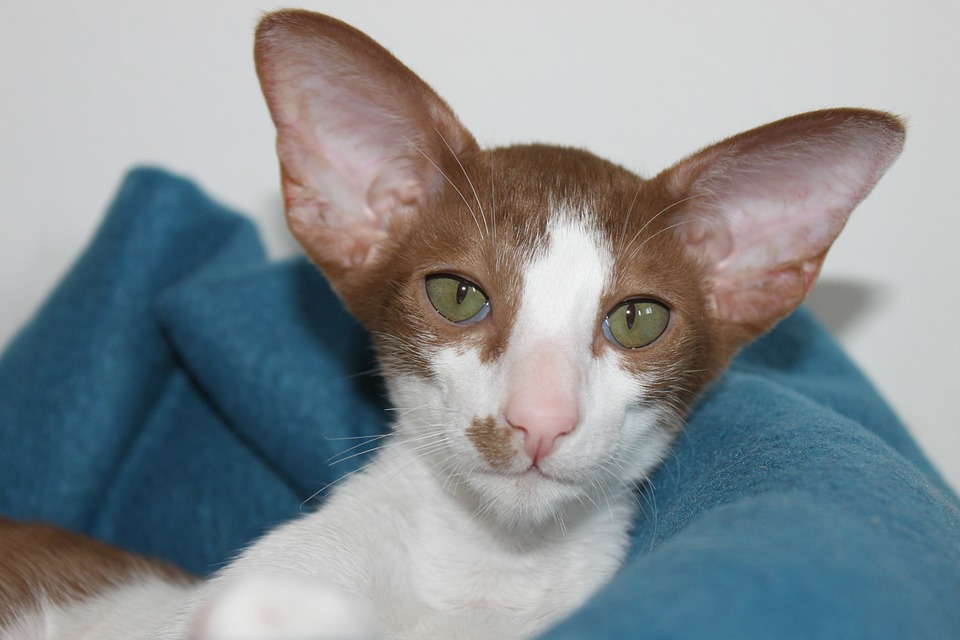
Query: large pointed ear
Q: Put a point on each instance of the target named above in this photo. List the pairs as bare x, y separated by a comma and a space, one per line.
761, 209
360, 137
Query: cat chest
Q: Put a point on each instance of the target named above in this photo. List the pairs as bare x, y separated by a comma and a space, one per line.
449, 574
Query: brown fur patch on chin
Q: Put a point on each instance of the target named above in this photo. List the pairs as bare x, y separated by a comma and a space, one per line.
41, 562
493, 441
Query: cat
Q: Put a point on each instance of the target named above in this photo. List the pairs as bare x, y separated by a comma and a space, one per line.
544, 320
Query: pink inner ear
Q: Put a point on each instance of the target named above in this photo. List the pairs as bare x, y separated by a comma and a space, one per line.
359, 136
343, 199
769, 203
766, 253
349, 166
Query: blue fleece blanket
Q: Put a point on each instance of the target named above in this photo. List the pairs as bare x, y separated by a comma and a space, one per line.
179, 395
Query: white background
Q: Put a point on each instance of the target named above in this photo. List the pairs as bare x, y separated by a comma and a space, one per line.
91, 88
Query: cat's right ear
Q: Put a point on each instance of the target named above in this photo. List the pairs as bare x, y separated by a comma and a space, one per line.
361, 139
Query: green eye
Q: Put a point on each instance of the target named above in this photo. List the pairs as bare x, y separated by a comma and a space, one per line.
633, 324
456, 299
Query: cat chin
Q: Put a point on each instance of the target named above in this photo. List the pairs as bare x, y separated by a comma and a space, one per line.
525, 500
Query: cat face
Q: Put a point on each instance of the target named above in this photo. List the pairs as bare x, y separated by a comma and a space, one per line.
533, 391
544, 317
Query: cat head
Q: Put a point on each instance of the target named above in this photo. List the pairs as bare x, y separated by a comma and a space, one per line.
545, 318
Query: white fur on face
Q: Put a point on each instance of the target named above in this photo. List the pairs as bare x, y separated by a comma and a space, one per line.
616, 440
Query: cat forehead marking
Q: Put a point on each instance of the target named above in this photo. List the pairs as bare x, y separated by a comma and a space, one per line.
562, 285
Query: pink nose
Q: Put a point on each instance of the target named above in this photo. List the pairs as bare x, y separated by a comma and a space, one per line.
543, 399
542, 423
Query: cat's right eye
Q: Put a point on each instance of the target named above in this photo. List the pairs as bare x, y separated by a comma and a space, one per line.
457, 299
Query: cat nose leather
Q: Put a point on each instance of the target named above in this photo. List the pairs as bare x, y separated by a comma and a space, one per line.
542, 429
543, 401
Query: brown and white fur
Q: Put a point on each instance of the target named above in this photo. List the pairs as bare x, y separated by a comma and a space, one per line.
505, 495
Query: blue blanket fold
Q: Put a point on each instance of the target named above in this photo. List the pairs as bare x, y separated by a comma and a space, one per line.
179, 394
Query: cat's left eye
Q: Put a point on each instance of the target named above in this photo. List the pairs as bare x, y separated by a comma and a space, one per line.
633, 324
457, 299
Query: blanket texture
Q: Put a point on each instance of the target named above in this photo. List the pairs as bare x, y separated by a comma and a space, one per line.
178, 395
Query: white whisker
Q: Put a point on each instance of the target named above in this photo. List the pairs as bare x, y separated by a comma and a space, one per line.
449, 181
653, 218
469, 181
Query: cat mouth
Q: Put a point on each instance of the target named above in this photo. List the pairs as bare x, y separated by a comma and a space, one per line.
533, 473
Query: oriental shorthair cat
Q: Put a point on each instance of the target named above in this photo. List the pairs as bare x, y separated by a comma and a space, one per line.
544, 320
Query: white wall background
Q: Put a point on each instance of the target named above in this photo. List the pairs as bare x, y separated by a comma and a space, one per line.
91, 88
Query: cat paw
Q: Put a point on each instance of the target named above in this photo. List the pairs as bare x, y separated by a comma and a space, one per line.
271, 608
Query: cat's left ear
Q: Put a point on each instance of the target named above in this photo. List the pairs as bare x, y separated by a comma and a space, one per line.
761, 209
362, 140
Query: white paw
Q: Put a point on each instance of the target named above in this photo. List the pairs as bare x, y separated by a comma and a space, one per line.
271, 608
